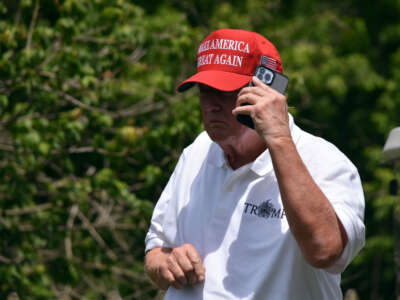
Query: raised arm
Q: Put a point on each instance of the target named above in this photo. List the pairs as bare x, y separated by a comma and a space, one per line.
311, 217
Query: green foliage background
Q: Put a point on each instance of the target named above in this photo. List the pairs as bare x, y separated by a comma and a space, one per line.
91, 126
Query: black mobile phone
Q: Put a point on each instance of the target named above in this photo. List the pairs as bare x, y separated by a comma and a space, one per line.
276, 80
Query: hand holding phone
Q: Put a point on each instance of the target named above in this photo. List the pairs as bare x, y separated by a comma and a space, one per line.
276, 80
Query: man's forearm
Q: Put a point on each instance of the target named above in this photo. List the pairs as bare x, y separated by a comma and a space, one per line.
310, 215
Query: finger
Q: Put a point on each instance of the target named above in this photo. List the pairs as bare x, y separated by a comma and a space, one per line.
188, 268
255, 90
170, 278
176, 270
245, 90
242, 110
245, 99
258, 83
186, 265
248, 99
263, 89
199, 269
192, 277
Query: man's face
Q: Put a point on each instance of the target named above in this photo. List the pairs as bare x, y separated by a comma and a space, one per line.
216, 107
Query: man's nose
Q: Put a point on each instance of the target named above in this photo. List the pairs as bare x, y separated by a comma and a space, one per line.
212, 105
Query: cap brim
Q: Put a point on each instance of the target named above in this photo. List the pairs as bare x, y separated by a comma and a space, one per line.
220, 80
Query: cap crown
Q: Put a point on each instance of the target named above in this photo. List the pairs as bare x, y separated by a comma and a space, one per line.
234, 50
227, 59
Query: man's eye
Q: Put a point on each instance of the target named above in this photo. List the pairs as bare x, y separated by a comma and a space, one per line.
228, 94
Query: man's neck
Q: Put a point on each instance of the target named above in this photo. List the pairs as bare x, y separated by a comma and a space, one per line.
243, 149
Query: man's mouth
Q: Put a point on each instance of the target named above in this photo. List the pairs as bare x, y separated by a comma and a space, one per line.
216, 122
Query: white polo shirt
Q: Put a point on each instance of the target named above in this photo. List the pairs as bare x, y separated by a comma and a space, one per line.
236, 221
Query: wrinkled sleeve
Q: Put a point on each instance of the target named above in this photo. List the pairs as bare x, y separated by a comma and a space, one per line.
156, 236
341, 184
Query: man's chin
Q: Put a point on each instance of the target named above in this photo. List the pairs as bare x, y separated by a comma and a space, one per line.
220, 135
225, 135
217, 134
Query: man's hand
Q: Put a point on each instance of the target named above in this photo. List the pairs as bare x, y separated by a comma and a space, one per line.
267, 108
177, 267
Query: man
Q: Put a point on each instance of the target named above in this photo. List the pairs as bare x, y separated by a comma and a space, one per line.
270, 213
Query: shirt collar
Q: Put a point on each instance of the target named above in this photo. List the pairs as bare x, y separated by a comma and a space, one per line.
216, 156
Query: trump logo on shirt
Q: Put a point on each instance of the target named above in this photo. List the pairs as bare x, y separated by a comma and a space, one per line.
264, 210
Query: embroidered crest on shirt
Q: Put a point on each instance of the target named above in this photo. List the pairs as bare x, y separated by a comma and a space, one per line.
264, 210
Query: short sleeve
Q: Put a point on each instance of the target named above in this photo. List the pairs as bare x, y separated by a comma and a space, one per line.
341, 184
156, 236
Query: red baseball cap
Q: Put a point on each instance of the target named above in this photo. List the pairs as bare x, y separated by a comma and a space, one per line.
227, 59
